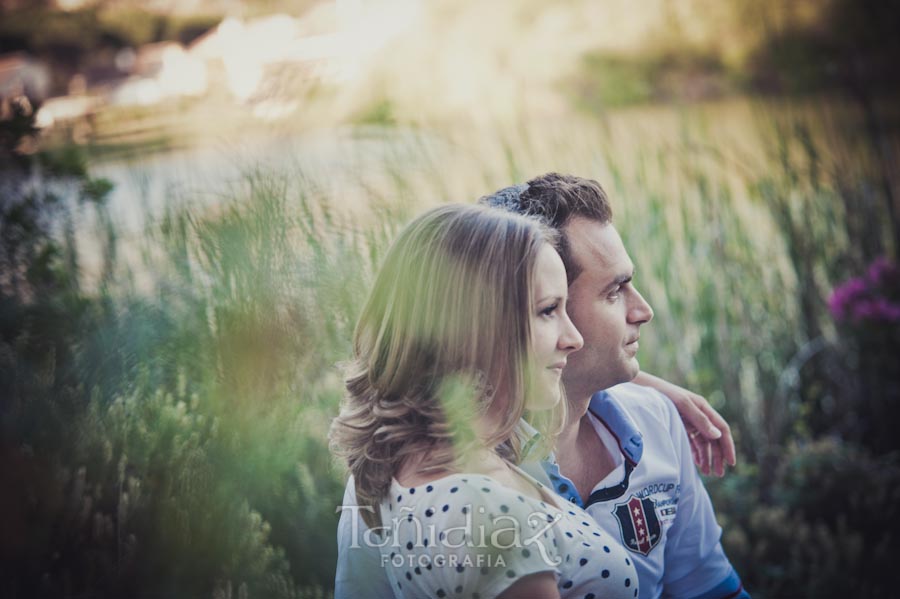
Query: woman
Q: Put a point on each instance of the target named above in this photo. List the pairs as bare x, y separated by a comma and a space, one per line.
464, 331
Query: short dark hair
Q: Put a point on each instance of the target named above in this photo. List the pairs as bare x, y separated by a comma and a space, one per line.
556, 199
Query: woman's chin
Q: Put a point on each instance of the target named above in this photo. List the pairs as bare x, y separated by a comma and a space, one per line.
548, 400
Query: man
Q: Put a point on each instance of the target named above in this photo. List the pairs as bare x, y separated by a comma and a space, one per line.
624, 454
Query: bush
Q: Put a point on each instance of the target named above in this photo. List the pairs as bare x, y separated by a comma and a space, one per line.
607, 80
146, 442
826, 530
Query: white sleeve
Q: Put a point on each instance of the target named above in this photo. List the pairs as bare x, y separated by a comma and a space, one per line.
359, 573
695, 561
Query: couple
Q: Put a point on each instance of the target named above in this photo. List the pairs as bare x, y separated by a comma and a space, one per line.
478, 316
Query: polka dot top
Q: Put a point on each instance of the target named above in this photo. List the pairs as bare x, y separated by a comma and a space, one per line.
467, 535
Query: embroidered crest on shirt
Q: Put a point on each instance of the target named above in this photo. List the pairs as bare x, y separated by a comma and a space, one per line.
639, 524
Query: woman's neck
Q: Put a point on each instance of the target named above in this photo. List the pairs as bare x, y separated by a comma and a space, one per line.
419, 469
479, 457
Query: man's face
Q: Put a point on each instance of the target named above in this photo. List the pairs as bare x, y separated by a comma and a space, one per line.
605, 307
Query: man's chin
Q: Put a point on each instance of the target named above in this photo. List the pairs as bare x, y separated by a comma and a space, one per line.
576, 386
632, 369
636, 368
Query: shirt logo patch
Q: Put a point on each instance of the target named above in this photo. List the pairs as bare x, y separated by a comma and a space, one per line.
639, 524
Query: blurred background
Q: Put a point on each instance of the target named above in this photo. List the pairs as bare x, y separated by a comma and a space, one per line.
194, 196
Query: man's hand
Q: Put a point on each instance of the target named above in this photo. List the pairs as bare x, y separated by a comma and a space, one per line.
712, 445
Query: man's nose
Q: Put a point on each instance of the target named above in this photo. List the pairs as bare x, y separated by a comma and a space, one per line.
640, 311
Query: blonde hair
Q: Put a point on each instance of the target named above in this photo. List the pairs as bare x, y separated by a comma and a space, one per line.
449, 312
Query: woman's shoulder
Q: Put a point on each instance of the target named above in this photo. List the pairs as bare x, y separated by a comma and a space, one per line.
460, 485
463, 498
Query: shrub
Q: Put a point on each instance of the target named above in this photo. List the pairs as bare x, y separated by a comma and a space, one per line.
825, 531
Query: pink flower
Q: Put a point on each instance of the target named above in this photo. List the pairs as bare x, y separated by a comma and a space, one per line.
882, 271
870, 299
845, 296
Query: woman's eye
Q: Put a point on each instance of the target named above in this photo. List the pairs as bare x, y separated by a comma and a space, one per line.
549, 310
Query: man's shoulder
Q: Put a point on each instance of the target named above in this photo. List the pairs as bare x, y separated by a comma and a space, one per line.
646, 406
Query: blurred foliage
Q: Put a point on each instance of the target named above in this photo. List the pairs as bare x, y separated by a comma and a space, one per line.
770, 47
849, 45
608, 80
132, 424
87, 39
827, 531
379, 113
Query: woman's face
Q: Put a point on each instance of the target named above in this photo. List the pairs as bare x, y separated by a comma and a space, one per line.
553, 336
